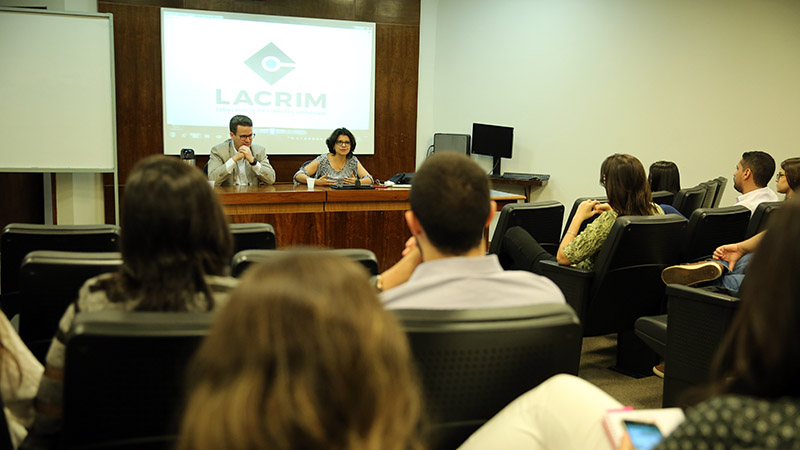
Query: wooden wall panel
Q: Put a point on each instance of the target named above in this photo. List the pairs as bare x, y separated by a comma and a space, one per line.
137, 46
22, 199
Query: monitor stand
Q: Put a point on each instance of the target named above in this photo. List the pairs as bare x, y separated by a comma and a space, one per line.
496, 167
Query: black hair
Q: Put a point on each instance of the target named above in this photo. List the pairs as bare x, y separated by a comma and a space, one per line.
450, 197
761, 165
240, 120
331, 141
664, 176
791, 167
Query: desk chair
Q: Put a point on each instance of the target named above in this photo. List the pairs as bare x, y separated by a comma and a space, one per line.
760, 218
242, 260
473, 363
124, 377
49, 282
625, 283
542, 220
19, 239
251, 236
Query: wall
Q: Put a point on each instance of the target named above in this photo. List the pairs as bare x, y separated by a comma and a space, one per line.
687, 81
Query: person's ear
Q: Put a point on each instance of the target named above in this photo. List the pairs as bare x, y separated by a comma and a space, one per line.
492, 212
413, 223
747, 173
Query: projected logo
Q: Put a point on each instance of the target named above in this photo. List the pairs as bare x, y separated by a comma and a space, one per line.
270, 63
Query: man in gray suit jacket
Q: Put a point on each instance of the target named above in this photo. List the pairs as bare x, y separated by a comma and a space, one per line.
237, 162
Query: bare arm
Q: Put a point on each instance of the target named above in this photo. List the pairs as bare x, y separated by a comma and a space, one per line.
585, 210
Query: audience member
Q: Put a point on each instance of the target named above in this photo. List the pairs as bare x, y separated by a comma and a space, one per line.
752, 174
176, 247
303, 357
20, 373
753, 400
788, 177
337, 166
628, 194
664, 176
450, 209
237, 161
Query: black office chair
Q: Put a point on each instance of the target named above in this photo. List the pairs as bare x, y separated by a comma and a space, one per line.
19, 239
625, 283
242, 260
663, 197
575, 208
124, 377
542, 220
708, 228
252, 236
474, 362
49, 282
721, 183
759, 220
698, 319
687, 200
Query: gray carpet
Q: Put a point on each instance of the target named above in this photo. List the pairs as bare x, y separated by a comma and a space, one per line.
597, 355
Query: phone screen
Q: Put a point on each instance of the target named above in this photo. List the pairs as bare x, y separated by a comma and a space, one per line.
644, 436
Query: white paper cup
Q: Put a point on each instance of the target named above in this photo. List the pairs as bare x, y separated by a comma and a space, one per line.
310, 182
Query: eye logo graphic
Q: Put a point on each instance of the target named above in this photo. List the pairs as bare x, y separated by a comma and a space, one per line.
270, 63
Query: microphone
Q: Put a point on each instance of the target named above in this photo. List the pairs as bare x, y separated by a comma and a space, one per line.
358, 180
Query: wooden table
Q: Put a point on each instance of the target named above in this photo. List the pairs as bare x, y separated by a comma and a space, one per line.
526, 184
325, 217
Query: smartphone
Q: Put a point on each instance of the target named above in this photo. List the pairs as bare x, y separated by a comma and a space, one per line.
644, 436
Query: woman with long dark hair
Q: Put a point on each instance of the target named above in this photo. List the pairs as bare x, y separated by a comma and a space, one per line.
176, 247
628, 194
664, 176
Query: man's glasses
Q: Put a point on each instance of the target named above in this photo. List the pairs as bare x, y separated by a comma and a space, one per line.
247, 136
343, 143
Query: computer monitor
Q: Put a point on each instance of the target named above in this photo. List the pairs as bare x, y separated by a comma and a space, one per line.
492, 140
448, 142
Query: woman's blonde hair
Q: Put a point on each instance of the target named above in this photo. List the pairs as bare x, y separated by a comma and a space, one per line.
303, 356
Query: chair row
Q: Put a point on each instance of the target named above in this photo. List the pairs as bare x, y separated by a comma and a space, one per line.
126, 368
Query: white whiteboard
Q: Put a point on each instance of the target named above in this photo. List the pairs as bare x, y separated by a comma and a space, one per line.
57, 91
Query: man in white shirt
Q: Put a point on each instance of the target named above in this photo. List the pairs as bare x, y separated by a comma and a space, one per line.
237, 161
445, 265
753, 172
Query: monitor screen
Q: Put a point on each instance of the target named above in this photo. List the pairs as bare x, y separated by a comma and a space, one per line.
492, 140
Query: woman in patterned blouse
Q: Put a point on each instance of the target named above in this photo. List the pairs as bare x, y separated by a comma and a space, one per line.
339, 165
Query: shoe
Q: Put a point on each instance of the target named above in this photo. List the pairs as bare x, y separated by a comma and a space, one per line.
659, 370
692, 273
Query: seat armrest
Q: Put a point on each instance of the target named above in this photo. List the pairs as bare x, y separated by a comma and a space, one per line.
573, 282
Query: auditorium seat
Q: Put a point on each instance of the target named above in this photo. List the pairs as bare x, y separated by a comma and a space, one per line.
575, 208
474, 362
758, 222
663, 197
124, 377
625, 283
721, 183
542, 220
49, 282
19, 239
711, 191
708, 228
698, 319
687, 200
242, 260
251, 236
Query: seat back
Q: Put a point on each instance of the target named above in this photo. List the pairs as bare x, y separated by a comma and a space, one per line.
19, 239
711, 192
124, 375
474, 362
244, 259
250, 236
708, 228
663, 197
627, 273
697, 321
760, 218
721, 183
49, 282
575, 208
542, 220
687, 200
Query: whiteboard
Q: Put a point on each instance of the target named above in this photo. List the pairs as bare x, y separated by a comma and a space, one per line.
57, 91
